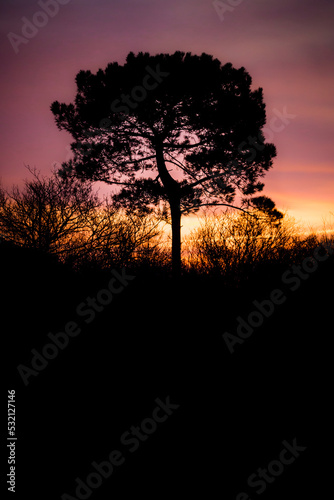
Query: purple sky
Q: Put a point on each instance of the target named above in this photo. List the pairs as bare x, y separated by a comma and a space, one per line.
285, 45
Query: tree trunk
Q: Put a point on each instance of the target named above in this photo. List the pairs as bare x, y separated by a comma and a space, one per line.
173, 193
176, 238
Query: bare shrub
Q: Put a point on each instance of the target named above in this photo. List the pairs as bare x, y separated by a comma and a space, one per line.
236, 245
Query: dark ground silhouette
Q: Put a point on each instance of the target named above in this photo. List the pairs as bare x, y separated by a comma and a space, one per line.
159, 339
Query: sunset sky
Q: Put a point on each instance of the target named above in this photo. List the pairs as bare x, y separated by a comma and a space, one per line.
285, 45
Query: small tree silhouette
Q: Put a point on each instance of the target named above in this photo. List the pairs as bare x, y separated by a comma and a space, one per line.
123, 239
191, 113
48, 214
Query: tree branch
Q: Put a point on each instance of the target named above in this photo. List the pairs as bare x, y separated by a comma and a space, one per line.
118, 183
184, 146
138, 161
209, 177
225, 205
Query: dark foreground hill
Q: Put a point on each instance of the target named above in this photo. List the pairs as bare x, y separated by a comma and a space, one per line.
152, 377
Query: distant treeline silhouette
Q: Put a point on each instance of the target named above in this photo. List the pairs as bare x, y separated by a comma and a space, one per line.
67, 219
